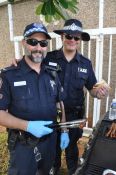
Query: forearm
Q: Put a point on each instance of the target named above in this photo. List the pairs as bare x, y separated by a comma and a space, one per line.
93, 93
11, 121
36, 128
63, 118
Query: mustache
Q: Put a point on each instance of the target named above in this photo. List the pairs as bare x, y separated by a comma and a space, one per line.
36, 51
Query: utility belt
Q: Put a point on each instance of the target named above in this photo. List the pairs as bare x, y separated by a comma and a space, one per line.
17, 136
74, 109
77, 112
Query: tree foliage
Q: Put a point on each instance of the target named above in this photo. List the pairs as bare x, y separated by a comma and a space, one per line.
53, 10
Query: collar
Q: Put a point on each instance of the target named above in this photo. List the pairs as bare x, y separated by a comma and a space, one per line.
23, 67
78, 57
75, 58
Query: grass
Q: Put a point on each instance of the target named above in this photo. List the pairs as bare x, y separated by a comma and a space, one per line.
3, 153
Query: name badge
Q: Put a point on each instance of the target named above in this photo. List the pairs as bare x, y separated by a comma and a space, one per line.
82, 70
20, 83
52, 64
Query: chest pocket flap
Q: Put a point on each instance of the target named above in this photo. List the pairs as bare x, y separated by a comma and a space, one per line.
22, 92
79, 80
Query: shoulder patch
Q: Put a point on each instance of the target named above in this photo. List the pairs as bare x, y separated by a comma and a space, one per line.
84, 59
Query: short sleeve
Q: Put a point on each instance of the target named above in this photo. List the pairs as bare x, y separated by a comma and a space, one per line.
4, 92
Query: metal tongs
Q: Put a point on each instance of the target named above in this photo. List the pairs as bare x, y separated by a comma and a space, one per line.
71, 124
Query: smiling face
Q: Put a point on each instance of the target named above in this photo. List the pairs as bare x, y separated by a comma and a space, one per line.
36, 47
71, 42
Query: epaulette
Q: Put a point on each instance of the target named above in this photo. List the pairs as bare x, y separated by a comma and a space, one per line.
83, 58
8, 69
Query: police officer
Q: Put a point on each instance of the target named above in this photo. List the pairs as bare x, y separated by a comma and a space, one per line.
76, 73
28, 97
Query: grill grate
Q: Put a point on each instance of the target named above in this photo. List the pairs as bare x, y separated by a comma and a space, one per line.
100, 154
94, 170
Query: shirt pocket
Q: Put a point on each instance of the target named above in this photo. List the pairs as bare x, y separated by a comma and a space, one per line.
22, 97
22, 92
79, 81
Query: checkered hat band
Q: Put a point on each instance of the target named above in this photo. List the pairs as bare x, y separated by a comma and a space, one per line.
73, 27
34, 30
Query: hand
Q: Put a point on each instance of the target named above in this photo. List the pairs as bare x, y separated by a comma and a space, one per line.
38, 128
64, 140
83, 124
15, 62
102, 92
102, 89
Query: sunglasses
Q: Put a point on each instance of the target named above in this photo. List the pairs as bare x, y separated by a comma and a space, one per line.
70, 37
34, 42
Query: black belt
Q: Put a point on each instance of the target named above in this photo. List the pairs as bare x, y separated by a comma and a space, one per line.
22, 137
73, 109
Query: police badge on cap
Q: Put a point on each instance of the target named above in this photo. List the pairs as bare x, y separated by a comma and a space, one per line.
35, 28
73, 27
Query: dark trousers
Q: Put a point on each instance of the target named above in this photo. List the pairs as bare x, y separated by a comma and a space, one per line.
37, 160
71, 152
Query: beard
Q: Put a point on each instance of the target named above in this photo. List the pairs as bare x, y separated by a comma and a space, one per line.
35, 56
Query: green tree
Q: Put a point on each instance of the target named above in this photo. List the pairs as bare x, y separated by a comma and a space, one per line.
53, 10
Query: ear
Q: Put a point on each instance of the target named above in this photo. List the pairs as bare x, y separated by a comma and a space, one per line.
23, 42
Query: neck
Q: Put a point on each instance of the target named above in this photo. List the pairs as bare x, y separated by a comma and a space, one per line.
34, 66
69, 55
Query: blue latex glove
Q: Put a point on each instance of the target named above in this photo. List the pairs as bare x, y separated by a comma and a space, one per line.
38, 128
64, 140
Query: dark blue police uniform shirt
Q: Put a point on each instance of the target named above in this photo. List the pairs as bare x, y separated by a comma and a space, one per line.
74, 76
27, 94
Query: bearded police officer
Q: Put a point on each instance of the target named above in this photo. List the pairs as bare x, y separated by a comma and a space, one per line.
29, 94
76, 73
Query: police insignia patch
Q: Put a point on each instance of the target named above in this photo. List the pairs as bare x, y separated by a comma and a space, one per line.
52, 83
1, 82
